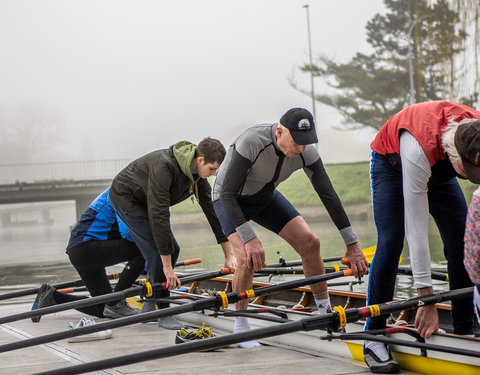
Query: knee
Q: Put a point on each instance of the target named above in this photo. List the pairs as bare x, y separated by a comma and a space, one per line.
310, 245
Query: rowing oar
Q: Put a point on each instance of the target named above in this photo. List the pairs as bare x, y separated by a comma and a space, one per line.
293, 271
219, 300
142, 290
436, 275
367, 252
334, 321
364, 335
75, 283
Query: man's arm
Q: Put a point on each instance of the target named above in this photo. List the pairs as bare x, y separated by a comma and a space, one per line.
158, 196
324, 188
234, 179
416, 172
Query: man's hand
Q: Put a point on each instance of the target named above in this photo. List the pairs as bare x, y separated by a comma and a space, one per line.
172, 281
230, 260
358, 263
231, 263
426, 319
255, 254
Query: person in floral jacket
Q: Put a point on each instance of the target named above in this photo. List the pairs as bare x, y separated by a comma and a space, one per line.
472, 248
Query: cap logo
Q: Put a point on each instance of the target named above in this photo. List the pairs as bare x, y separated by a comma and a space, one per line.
304, 124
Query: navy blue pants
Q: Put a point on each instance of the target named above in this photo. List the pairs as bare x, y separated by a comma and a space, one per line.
449, 210
90, 259
139, 228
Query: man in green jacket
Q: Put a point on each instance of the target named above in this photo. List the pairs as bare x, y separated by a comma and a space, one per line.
142, 194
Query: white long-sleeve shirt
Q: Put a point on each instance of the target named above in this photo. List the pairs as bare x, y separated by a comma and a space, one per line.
416, 173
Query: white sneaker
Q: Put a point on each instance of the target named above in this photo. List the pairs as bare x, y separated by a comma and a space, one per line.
93, 336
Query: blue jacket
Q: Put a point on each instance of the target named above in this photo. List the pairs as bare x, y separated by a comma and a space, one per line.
99, 222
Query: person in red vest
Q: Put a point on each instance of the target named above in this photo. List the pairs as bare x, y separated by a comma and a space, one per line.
416, 157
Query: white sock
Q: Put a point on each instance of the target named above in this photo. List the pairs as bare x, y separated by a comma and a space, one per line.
323, 305
378, 348
241, 325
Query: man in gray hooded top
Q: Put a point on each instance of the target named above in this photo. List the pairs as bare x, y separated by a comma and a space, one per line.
142, 194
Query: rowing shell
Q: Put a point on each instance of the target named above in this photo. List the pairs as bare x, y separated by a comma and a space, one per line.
298, 303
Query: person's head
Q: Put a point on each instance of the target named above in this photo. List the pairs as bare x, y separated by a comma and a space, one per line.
295, 130
209, 154
461, 141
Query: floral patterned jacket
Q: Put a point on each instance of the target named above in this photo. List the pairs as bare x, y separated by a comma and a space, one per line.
472, 239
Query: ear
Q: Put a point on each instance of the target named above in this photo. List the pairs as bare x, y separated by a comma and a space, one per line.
200, 161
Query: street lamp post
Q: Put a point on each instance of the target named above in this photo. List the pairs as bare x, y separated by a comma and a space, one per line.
306, 6
410, 63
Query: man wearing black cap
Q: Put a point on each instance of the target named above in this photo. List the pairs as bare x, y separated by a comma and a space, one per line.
416, 157
245, 189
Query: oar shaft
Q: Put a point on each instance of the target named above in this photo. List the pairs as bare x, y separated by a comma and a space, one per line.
76, 304
26, 292
208, 303
329, 320
436, 275
214, 342
75, 283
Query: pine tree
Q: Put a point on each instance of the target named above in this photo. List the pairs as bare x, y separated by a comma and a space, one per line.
369, 89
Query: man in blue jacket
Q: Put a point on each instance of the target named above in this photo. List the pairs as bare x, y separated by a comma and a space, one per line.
99, 239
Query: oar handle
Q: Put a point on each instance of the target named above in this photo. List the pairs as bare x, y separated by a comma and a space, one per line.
192, 261
346, 262
225, 271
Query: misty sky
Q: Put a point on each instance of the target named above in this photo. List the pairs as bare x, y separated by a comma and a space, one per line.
123, 78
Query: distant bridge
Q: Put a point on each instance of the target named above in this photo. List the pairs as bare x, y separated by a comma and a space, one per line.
80, 181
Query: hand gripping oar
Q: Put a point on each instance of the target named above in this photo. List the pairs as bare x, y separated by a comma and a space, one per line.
75, 283
219, 300
142, 290
333, 321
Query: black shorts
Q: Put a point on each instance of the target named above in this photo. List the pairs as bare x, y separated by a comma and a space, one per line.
273, 215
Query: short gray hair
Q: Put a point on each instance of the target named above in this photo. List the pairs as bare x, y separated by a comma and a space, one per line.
448, 139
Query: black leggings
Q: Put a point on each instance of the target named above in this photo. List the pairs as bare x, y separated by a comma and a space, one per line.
90, 259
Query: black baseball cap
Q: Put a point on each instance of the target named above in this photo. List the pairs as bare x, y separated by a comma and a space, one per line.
467, 143
300, 123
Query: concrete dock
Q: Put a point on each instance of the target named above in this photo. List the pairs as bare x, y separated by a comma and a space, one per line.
266, 359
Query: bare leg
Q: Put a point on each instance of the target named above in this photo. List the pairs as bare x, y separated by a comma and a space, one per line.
306, 243
243, 276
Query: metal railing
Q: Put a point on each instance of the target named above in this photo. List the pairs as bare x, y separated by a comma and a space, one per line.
57, 171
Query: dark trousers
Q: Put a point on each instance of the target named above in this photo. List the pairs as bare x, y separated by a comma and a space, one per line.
90, 259
139, 228
449, 210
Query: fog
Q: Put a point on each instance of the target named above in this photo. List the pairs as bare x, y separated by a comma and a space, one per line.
110, 79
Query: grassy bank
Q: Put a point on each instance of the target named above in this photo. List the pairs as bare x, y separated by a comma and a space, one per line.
351, 182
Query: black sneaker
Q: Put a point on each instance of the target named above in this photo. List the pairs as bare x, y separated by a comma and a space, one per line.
119, 310
377, 365
44, 298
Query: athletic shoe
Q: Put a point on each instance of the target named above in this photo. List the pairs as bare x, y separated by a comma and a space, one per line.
169, 322
148, 306
93, 336
44, 298
388, 366
119, 310
184, 336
